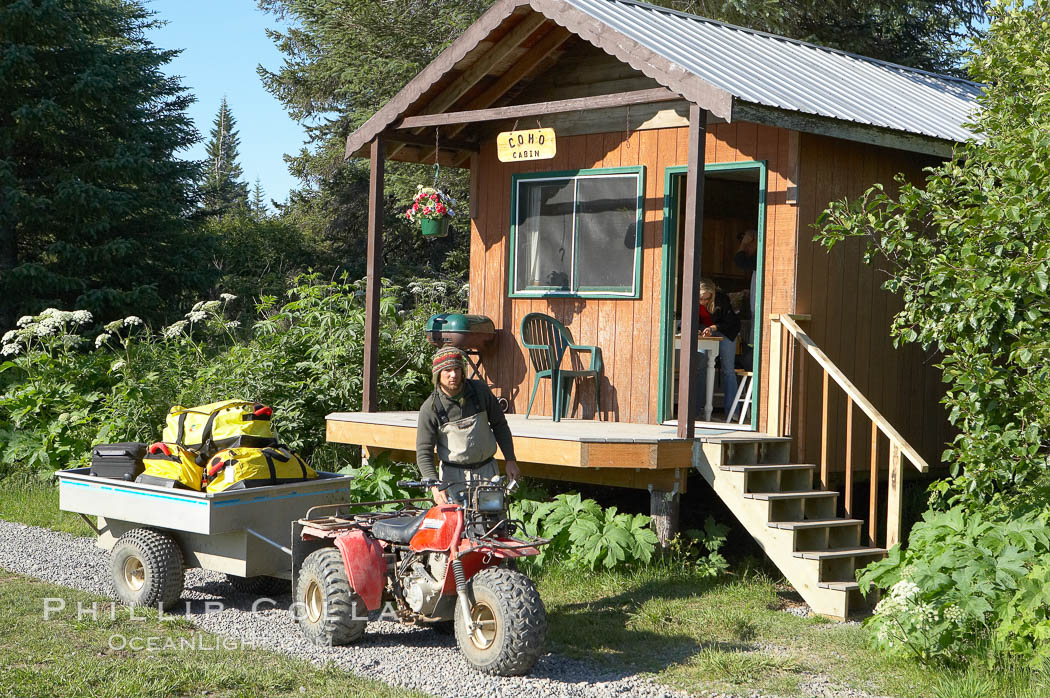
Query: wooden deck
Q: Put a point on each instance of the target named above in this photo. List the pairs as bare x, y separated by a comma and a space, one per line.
621, 454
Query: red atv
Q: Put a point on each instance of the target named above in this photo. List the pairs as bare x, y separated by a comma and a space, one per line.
452, 564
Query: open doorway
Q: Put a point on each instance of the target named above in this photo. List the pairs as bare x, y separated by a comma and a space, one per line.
734, 205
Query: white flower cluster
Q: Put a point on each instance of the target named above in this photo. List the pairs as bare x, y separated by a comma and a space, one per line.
10, 336
196, 315
102, 339
227, 297
211, 305
10, 349
117, 365
132, 320
81, 317
113, 326
233, 324
174, 330
26, 320
954, 614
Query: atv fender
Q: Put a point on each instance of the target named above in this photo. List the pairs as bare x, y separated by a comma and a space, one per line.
365, 566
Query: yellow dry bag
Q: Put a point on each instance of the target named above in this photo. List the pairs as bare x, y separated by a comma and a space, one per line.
240, 468
171, 465
213, 427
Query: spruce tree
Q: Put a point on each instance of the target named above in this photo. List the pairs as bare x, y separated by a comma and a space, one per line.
92, 197
223, 189
258, 203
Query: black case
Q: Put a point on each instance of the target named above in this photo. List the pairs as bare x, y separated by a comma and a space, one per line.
121, 461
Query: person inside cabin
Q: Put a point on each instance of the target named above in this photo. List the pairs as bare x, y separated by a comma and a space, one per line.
463, 422
717, 319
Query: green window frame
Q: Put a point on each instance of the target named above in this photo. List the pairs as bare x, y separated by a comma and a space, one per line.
573, 289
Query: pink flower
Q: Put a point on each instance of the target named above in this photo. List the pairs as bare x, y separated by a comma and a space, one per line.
408, 215
415, 207
426, 210
440, 208
433, 197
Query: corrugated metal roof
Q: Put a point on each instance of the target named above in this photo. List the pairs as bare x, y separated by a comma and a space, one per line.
787, 74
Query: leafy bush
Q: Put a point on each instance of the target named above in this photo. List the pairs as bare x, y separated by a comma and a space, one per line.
584, 534
965, 578
63, 392
968, 253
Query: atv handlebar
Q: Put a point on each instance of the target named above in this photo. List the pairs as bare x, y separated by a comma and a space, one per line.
425, 483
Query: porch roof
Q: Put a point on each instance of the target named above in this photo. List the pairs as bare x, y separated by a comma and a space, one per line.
734, 73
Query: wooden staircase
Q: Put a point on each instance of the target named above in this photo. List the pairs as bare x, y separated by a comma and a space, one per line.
794, 523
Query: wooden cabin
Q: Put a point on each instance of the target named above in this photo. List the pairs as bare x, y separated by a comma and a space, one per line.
612, 234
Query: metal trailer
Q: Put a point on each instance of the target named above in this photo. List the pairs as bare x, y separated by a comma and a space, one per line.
153, 533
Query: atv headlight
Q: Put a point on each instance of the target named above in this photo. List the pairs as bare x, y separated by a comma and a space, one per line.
490, 500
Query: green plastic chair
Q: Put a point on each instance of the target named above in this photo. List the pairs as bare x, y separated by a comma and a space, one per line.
547, 341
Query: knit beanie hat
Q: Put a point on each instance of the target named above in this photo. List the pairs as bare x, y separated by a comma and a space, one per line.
447, 357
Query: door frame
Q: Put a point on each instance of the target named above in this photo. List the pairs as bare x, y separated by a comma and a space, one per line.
674, 177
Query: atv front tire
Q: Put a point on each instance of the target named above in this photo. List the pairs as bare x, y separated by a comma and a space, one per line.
327, 608
146, 568
509, 623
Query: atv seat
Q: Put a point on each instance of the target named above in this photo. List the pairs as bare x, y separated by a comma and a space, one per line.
398, 529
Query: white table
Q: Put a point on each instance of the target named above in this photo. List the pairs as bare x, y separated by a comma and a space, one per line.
708, 345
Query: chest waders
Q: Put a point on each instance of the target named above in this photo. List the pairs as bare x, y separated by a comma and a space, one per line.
466, 446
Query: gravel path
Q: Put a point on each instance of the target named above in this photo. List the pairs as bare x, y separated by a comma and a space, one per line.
419, 659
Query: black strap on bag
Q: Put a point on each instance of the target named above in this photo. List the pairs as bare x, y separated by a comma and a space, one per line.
271, 455
180, 435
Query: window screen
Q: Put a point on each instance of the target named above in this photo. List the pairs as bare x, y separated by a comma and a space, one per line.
544, 242
577, 234
606, 232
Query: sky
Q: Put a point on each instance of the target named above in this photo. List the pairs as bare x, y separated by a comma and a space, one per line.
223, 41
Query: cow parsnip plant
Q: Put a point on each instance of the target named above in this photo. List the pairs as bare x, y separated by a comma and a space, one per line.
66, 384
584, 534
968, 253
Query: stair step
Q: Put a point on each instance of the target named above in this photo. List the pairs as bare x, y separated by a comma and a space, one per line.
839, 586
805, 494
766, 468
839, 552
813, 523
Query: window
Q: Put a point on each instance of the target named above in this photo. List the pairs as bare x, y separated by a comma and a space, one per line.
577, 233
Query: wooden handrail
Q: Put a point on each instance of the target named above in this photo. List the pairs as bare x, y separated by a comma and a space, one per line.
896, 440
778, 406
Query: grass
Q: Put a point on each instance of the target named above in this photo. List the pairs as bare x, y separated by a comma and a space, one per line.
732, 634
728, 634
35, 503
109, 655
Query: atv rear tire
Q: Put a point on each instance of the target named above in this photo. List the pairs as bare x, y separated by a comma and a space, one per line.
259, 586
512, 623
327, 608
146, 568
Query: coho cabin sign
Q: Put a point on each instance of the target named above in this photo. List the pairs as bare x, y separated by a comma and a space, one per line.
533, 144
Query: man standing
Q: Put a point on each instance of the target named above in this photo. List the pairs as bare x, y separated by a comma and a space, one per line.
463, 422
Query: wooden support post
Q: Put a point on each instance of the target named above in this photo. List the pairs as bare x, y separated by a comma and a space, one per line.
370, 376
824, 434
663, 508
693, 237
873, 485
848, 504
774, 395
895, 498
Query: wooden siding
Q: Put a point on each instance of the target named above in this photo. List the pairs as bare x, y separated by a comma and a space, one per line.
626, 330
851, 316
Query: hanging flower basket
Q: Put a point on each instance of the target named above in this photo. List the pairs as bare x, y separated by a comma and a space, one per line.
432, 210
434, 227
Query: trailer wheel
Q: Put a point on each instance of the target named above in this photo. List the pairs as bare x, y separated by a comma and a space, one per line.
259, 586
147, 569
327, 608
509, 623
